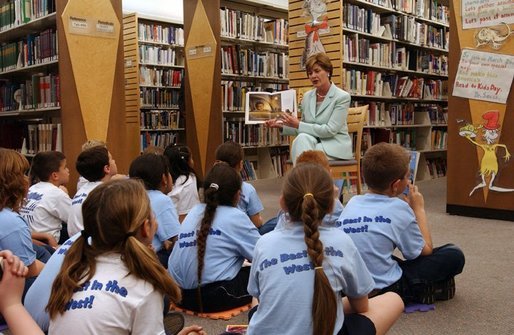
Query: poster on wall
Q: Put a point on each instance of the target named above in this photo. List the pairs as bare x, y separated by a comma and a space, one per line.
484, 76
486, 13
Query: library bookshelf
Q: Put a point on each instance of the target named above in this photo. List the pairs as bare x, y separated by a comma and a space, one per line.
29, 78
254, 57
154, 70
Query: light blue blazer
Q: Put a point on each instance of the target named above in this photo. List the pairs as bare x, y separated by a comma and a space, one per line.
328, 123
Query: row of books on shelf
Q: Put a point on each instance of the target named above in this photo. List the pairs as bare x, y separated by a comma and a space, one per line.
252, 134
159, 98
374, 83
249, 62
390, 114
410, 138
233, 93
387, 54
41, 91
248, 26
161, 140
160, 119
33, 49
160, 33
434, 10
395, 27
158, 55
42, 137
248, 171
279, 158
14, 13
160, 77
436, 167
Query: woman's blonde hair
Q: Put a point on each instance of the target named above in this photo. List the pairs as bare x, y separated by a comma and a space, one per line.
113, 214
13, 181
322, 60
308, 193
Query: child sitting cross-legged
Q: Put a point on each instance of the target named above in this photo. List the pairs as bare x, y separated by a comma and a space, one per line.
214, 240
380, 221
299, 275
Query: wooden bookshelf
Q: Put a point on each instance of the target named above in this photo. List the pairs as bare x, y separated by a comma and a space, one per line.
154, 70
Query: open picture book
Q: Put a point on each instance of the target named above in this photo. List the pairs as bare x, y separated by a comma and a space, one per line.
263, 106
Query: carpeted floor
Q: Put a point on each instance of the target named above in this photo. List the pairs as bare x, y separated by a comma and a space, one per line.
484, 302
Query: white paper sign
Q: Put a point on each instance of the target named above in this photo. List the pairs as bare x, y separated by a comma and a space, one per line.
485, 13
484, 76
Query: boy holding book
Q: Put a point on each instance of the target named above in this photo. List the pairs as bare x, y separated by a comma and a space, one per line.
379, 222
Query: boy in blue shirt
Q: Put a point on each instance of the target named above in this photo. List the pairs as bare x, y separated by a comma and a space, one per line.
379, 222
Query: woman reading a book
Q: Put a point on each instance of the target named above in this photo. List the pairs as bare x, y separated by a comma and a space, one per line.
324, 110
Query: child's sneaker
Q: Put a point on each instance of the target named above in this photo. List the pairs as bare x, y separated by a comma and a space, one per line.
173, 323
444, 290
423, 294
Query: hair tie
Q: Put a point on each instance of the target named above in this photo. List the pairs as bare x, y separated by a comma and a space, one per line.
214, 186
84, 234
318, 268
308, 195
132, 233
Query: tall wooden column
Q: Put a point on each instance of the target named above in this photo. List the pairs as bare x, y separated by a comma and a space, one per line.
203, 80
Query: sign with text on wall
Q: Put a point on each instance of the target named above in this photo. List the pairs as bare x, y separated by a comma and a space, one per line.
484, 76
485, 13
92, 27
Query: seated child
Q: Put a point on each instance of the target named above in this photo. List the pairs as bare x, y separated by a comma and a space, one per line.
214, 240
96, 165
299, 274
379, 222
185, 182
121, 283
315, 157
48, 206
249, 202
153, 171
14, 231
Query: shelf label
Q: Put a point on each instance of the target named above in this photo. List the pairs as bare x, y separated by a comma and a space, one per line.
199, 51
92, 27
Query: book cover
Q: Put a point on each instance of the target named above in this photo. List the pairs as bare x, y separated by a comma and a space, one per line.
263, 106
413, 168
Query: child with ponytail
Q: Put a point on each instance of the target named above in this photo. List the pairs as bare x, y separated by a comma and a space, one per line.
185, 182
114, 284
214, 240
311, 266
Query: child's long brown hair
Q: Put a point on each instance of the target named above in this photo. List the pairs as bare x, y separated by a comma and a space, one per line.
13, 182
220, 187
308, 193
113, 213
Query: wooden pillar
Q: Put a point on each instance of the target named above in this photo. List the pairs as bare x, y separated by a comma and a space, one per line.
203, 81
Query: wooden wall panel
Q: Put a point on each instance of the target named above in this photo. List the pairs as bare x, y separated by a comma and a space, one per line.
204, 132
74, 134
464, 158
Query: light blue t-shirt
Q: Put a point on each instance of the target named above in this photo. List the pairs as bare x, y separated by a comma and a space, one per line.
282, 278
231, 240
39, 292
378, 224
166, 216
249, 201
15, 236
